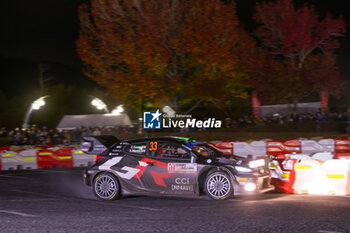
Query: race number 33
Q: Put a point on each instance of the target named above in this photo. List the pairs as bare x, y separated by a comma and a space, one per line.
153, 146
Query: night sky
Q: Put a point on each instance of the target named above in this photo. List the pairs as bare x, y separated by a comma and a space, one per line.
45, 31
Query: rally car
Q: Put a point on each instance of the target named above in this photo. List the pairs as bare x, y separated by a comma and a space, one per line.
170, 166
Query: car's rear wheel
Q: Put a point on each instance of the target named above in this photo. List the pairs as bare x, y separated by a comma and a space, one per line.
106, 186
218, 186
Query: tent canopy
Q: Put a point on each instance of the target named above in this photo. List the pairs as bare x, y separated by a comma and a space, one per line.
287, 109
93, 120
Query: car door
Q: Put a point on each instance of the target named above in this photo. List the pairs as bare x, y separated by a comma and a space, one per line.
130, 167
170, 168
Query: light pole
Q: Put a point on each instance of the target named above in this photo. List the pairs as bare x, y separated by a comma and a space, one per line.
118, 110
99, 104
37, 104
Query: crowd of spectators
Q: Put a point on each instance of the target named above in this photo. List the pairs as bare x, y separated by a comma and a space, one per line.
279, 119
45, 136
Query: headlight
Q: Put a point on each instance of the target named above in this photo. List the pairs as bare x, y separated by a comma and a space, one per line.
257, 163
250, 187
243, 169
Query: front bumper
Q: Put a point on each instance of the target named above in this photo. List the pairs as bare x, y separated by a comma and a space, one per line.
248, 185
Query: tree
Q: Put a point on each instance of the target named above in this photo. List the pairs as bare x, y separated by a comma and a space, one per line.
163, 51
300, 50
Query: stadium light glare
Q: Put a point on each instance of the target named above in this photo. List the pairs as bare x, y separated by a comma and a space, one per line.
36, 105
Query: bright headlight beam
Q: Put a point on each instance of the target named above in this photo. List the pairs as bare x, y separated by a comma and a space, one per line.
243, 169
257, 163
250, 187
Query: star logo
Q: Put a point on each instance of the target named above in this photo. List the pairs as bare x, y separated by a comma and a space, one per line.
156, 115
151, 120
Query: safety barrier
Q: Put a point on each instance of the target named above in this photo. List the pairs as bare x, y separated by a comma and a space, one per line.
283, 147
16, 160
309, 177
283, 174
337, 180
342, 145
39, 157
312, 146
316, 177
322, 156
255, 148
80, 159
9, 160
342, 155
339, 147
49, 158
225, 147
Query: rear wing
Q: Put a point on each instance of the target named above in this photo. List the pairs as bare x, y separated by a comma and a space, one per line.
98, 145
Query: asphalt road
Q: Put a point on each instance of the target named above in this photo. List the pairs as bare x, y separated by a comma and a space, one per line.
57, 201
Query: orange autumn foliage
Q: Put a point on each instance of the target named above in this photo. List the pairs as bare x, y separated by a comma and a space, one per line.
163, 50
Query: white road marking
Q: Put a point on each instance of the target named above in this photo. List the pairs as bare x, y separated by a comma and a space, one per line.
16, 213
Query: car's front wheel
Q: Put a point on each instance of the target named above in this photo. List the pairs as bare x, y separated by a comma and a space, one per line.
218, 186
106, 186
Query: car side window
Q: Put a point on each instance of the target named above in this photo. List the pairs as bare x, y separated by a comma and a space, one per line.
137, 148
167, 150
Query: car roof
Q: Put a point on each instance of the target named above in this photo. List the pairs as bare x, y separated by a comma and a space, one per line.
182, 140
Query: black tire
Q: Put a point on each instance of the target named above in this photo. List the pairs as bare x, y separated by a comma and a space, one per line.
106, 186
218, 186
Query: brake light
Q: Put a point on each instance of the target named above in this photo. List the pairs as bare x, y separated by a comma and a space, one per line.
97, 157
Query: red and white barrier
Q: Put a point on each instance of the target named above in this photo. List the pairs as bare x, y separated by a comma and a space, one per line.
50, 158
80, 159
283, 147
312, 146
255, 148
12, 160
225, 147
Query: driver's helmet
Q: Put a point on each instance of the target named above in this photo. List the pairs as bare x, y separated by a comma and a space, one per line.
202, 151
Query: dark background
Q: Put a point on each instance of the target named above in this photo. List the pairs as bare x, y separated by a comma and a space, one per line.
45, 32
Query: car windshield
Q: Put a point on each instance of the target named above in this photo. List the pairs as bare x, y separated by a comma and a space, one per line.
206, 150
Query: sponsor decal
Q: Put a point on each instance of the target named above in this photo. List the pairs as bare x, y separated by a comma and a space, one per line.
182, 184
152, 120
138, 149
184, 168
181, 187
138, 171
129, 172
158, 177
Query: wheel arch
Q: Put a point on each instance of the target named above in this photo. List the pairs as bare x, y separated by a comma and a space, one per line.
203, 176
118, 193
110, 173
